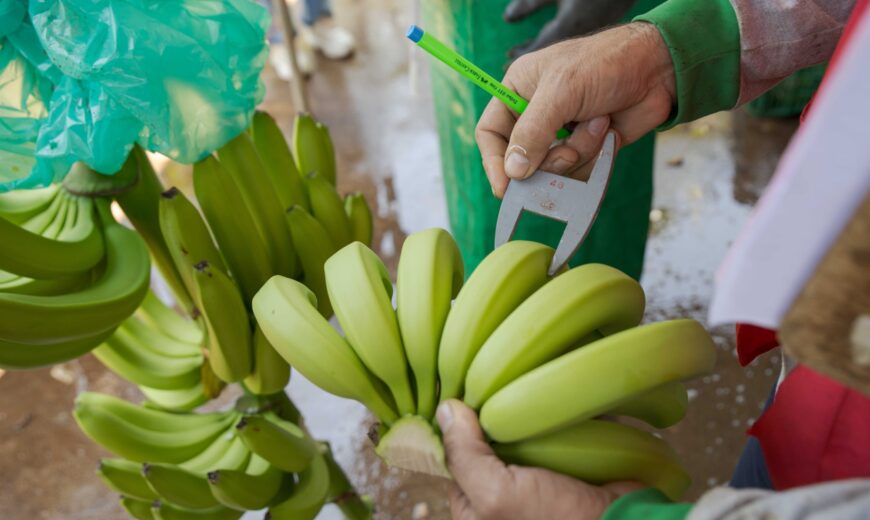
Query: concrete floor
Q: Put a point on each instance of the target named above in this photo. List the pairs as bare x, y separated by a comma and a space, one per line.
379, 110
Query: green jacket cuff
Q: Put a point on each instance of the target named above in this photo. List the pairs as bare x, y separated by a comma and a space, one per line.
646, 504
703, 37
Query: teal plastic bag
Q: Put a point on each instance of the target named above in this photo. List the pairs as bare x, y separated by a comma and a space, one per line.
83, 80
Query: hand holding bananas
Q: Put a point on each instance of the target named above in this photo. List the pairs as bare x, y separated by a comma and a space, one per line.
539, 358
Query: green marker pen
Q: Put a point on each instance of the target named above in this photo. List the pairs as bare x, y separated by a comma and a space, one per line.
483, 80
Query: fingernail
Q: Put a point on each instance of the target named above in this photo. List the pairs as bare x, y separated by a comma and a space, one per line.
598, 125
445, 416
560, 165
517, 164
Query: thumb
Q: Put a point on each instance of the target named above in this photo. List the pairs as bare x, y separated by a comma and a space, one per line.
473, 464
533, 134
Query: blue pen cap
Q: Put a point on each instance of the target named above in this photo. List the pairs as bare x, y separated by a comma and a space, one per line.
415, 33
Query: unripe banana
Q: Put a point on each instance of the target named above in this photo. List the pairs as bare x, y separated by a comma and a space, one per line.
229, 333
164, 511
139, 509
287, 314
161, 317
252, 489
271, 373
178, 400
228, 452
661, 407
14, 284
278, 161
20, 356
312, 148
505, 278
309, 495
243, 165
234, 229
156, 340
179, 486
328, 208
359, 216
20, 205
598, 452
594, 379
125, 477
314, 246
360, 290
550, 322
282, 443
430, 276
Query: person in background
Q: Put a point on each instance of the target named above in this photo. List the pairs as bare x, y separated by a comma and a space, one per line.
809, 454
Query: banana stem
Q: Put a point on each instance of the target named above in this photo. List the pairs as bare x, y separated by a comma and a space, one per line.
297, 83
141, 204
343, 494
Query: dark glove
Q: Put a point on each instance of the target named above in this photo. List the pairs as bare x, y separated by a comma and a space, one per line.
574, 18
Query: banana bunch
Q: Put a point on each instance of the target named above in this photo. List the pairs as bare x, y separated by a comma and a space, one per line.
540, 358
210, 465
69, 275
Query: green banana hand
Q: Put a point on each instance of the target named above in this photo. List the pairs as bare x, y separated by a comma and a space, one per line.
282, 443
287, 314
502, 281
229, 332
125, 477
228, 452
359, 216
21, 356
592, 380
550, 322
360, 290
271, 373
178, 400
18, 206
233, 226
314, 247
430, 276
278, 161
328, 208
157, 314
179, 486
252, 489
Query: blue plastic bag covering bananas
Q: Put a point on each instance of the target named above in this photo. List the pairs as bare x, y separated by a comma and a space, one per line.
85, 79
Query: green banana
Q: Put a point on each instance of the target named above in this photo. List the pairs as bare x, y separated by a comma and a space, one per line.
312, 148
280, 442
598, 452
125, 477
503, 280
139, 509
37, 256
20, 356
179, 486
328, 208
360, 290
113, 297
66, 211
430, 276
550, 322
46, 286
278, 161
271, 373
157, 314
156, 340
137, 363
141, 434
20, 205
164, 511
359, 216
187, 236
243, 165
177, 400
661, 407
228, 452
252, 489
309, 495
593, 379
314, 247
40, 222
229, 332
286, 313
243, 248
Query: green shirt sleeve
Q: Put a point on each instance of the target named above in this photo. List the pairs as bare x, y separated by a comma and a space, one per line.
646, 504
703, 37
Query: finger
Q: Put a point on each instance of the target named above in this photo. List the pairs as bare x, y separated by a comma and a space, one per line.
460, 506
492, 133
581, 147
471, 461
533, 133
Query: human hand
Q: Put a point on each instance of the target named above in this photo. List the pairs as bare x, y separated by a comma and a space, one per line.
573, 18
487, 489
621, 78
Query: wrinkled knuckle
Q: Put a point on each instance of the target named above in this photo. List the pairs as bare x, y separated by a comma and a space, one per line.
490, 507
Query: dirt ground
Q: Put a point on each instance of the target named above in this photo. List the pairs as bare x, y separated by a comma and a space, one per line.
378, 108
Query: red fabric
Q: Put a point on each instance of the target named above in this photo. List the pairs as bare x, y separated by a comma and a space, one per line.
816, 430
753, 341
